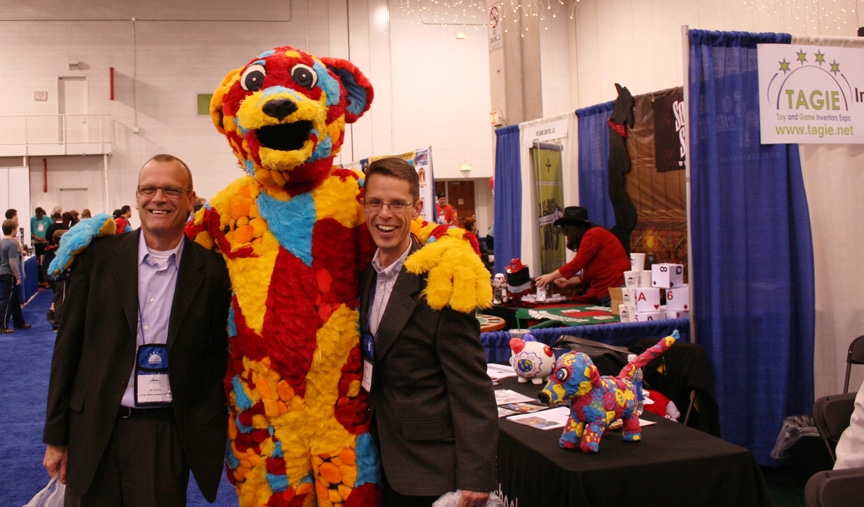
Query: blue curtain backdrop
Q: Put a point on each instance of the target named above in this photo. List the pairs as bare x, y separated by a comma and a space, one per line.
508, 197
752, 264
594, 163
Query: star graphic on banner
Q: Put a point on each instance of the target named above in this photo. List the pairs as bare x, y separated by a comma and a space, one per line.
835, 67
802, 56
784, 66
820, 58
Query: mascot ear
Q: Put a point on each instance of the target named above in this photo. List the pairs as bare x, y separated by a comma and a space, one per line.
218, 98
357, 87
594, 375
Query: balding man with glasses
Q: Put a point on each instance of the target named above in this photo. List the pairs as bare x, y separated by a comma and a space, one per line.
136, 398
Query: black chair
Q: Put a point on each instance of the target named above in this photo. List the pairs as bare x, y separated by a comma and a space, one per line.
683, 373
831, 416
835, 488
855, 356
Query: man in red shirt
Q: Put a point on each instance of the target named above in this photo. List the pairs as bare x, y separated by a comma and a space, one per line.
446, 213
599, 254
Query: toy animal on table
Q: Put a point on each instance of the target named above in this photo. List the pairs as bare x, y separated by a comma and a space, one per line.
531, 360
597, 401
293, 235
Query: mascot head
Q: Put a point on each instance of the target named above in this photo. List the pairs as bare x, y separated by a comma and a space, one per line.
284, 114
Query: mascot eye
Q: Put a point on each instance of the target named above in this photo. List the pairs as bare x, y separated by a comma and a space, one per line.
253, 78
562, 374
304, 75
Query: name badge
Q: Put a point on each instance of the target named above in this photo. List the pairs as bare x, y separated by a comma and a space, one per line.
152, 388
41, 227
368, 343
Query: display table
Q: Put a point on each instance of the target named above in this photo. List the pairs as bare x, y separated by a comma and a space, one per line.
497, 344
29, 280
672, 465
489, 323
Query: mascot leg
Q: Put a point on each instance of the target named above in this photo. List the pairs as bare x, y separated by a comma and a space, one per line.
631, 431
591, 437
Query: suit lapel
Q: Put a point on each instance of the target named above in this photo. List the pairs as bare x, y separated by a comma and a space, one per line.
190, 276
399, 309
125, 267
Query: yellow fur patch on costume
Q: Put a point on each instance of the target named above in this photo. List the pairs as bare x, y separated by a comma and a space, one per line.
443, 285
331, 202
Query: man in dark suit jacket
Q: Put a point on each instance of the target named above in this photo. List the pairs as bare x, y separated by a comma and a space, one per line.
114, 438
434, 413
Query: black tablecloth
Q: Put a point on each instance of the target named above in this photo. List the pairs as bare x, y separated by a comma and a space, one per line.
672, 465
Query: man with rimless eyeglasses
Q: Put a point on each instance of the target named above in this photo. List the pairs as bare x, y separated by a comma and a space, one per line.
433, 409
136, 399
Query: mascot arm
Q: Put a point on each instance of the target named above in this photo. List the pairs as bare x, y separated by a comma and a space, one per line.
456, 275
78, 238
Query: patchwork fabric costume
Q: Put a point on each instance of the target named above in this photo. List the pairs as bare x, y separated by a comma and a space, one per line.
293, 235
597, 401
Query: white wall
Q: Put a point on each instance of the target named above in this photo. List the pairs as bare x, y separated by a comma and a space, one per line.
638, 43
176, 50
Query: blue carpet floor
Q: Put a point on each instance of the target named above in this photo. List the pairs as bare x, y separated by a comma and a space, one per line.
25, 360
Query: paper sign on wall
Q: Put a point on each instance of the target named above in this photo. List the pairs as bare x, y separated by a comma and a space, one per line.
811, 94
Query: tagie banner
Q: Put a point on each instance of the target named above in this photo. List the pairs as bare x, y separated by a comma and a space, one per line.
811, 94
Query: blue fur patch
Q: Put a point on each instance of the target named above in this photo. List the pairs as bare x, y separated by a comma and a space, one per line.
76, 239
278, 483
290, 221
367, 461
242, 401
328, 84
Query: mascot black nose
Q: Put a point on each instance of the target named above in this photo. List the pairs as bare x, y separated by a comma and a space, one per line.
544, 397
279, 108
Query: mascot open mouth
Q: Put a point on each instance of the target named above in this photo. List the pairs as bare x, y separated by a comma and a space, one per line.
284, 137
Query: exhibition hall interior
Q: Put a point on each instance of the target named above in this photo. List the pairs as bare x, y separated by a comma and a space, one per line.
667, 191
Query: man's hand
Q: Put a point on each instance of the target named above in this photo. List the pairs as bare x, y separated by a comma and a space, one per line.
17, 281
473, 498
56, 457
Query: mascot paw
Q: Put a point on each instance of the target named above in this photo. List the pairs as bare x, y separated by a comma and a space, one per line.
456, 275
77, 239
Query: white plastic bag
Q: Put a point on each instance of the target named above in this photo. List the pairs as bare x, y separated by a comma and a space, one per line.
50, 496
451, 499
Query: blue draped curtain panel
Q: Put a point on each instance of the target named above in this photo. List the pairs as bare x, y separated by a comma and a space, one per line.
752, 266
507, 233
594, 163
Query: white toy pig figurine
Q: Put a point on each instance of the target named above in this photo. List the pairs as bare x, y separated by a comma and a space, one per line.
531, 359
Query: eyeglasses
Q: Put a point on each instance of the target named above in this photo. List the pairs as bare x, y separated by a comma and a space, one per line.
173, 192
375, 206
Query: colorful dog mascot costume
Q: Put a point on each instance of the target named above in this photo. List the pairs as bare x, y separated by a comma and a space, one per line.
597, 401
293, 234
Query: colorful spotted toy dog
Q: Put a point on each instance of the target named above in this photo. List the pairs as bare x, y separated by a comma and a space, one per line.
597, 401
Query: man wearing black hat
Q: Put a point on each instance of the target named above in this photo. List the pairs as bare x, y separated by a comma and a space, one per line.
599, 254
446, 213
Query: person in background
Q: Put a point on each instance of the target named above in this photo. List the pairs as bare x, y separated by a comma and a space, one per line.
73, 217
121, 219
446, 213
434, 414
126, 421
12, 214
850, 447
470, 225
57, 282
599, 255
10, 279
85, 213
61, 222
39, 224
